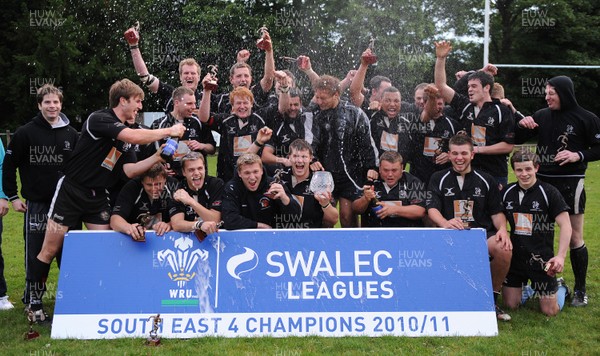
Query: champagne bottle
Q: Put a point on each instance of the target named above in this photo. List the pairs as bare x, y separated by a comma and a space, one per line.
170, 148
373, 203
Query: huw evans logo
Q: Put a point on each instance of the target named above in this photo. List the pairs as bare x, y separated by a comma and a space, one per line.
242, 263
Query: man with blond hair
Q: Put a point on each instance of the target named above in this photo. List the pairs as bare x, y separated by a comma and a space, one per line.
241, 130
342, 144
252, 200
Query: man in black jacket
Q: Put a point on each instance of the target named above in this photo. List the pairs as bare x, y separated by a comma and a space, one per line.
38, 150
252, 200
569, 138
342, 145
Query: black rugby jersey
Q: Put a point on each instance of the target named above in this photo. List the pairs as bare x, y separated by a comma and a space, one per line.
209, 196
475, 203
531, 214
493, 124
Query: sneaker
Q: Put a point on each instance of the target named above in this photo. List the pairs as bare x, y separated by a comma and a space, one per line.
39, 316
5, 304
580, 299
561, 282
501, 315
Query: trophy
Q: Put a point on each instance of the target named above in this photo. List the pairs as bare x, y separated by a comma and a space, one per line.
31, 334
262, 42
467, 213
321, 182
372, 57
439, 149
538, 259
212, 83
154, 340
276, 179
301, 61
201, 235
143, 220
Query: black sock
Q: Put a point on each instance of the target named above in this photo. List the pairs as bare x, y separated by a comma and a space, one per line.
36, 282
496, 295
579, 263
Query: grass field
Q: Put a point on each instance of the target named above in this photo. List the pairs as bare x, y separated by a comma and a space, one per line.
573, 331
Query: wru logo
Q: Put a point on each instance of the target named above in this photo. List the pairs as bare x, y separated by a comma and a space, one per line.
182, 260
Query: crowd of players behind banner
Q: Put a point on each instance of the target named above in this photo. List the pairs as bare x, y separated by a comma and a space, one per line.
284, 163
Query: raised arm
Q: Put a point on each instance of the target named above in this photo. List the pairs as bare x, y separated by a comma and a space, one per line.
267, 80
204, 109
430, 111
242, 56
347, 81
283, 101
305, 66
356, 88
442, 49
133, 37
263, 136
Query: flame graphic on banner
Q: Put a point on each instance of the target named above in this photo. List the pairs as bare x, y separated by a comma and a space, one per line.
236, 261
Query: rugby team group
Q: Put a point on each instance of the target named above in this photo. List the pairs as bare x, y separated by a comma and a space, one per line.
457, 141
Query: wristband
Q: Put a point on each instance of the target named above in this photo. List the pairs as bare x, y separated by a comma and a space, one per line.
259, 144
134, 47
198, 224
151, 80
326, 205
146, 79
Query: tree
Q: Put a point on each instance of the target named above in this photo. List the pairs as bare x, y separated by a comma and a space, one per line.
79, 45
561, 32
